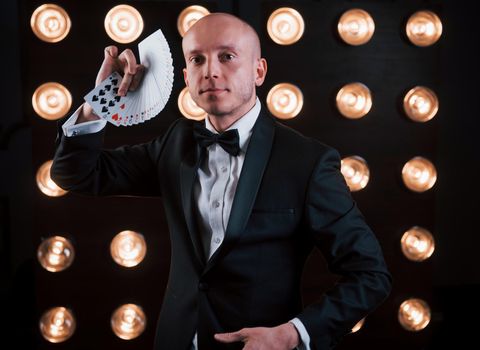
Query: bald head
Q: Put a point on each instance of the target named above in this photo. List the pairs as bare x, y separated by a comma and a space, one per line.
214, 22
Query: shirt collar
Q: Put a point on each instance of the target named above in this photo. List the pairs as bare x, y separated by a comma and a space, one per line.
244, 125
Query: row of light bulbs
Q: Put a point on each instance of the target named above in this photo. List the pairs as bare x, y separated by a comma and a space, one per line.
285, 26
57, 253
58, 324
128, 249
52, 101
128, 321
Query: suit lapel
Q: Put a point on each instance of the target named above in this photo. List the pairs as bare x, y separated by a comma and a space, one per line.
256, 159
188, 175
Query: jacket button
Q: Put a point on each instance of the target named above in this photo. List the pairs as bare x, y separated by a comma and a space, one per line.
203, 286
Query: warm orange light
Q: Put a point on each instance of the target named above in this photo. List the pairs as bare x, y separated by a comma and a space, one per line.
57, 324
356, 27
51, 101
55, 253
128, 321
124, 24
414, 314
417, 244
188, 107
45, 182
355, 171
128, 248
285, 26
424, 28
285, 101
189, 16
358, 325
50, 23
354, 100
419, 174
420, 104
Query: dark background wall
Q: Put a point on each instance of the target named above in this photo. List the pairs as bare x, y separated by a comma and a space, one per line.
319, 64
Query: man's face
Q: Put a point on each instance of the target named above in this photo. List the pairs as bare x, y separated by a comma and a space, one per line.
220, 66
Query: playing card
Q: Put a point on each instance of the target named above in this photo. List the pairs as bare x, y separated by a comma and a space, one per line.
153, 93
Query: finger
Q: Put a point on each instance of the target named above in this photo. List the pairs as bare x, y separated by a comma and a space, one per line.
109, 64
111, 51
137, 78
125, 84
129, 62
229, 337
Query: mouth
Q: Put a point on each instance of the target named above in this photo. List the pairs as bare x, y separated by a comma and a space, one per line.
212, 91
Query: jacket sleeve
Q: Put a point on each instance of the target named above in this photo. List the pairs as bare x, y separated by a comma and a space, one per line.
351, 250
81, 165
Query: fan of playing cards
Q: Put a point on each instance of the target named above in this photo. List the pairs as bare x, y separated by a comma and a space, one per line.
149, 98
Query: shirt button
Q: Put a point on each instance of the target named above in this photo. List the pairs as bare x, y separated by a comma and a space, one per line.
216, 204
217, 240
224, 168
74, 133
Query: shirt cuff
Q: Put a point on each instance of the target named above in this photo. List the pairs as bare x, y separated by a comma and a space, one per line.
71, 129
302, 331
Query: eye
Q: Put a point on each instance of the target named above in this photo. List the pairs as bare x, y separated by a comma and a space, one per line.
196, 59
227, 57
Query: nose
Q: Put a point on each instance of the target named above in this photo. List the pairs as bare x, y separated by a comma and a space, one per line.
212, 69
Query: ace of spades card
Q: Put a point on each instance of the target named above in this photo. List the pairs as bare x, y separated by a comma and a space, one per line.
149, 98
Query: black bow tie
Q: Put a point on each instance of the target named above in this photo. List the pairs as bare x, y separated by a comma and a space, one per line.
228, 140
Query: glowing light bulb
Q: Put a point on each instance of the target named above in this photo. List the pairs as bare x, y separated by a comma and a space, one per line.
55, 253
57, 324
424, 28
356, 172
51, 101
420, 104
354, 100
189, 16
285, 26
45, 182
123, 23
356, 27
417, 244
188, 107
414, 314
50, 23
419, 174
128, 321
358, 325
128, 248
285, 101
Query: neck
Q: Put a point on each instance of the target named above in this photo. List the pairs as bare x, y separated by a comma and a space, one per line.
223, 122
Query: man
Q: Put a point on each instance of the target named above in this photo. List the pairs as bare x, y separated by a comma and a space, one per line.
243, 217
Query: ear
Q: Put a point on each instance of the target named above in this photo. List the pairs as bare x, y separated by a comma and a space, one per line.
260, 71
185, 77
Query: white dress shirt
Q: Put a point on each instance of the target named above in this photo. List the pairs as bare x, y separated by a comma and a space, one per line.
215, 189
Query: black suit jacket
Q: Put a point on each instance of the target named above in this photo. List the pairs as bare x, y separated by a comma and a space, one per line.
291, 197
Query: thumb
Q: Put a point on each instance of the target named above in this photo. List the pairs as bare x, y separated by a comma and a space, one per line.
229, 337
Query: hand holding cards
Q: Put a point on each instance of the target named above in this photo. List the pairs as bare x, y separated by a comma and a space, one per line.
149, 98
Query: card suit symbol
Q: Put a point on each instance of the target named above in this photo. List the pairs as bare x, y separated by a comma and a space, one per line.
104, 109
115, 81
95, 98
108, 87
117, 98
115, 116
103, 101
111, 103
122, 106
115, 90
101, 92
